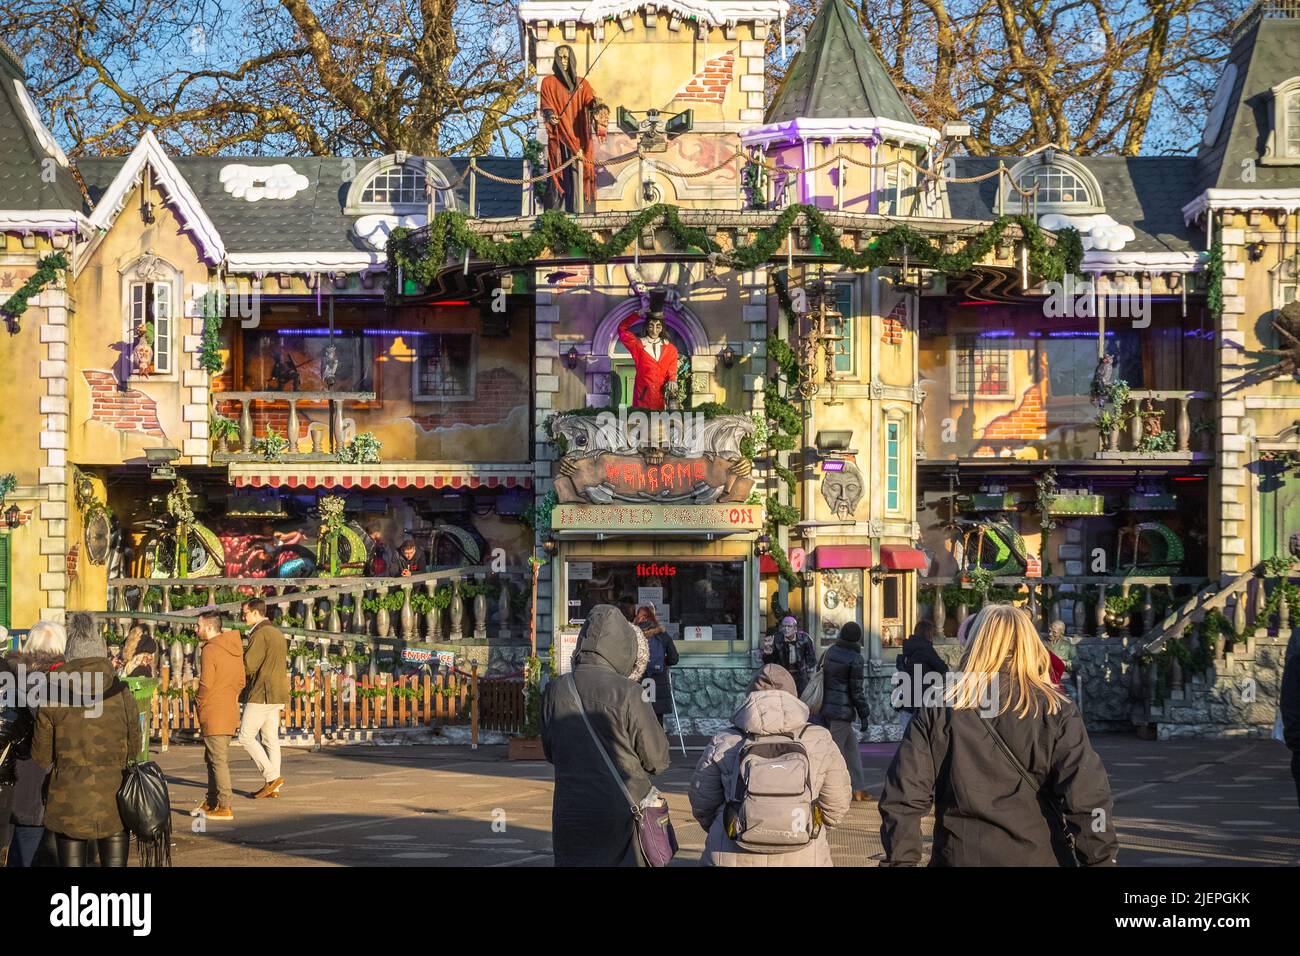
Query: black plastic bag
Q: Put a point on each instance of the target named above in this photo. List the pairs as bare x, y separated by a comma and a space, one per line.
146, 810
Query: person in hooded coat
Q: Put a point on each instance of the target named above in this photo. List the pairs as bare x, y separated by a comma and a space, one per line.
591, 822
771, 707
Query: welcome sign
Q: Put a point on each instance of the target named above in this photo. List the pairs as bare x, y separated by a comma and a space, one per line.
610, 478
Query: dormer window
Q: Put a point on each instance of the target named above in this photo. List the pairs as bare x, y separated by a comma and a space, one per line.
1055, 183
398, 185
1284, 142
392, 188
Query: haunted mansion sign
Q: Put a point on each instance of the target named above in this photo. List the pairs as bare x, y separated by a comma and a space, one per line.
678, 458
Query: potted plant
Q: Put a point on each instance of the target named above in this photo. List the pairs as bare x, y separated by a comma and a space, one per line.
271, 445
1206, 428
362, 450
1113, 414
223, 429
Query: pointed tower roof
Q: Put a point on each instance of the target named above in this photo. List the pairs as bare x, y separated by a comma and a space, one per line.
837, 75
34, 174
1265, 53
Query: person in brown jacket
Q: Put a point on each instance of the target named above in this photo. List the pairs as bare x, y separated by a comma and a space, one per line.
266, 662
220, 684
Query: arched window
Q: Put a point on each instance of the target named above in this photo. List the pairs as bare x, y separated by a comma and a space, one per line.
1055, 185
396, 186
1283, 147
389, 187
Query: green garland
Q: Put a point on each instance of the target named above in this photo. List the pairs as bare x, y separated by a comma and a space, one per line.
1214, 280
421, 257
47, 271
8, 483
210, 346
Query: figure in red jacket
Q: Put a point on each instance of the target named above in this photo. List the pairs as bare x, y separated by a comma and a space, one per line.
655, 359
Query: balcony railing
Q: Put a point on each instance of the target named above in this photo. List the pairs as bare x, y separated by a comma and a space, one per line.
1173, 411
326, 438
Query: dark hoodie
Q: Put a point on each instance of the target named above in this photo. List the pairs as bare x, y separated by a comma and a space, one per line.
918, 652
844, 694
591, 822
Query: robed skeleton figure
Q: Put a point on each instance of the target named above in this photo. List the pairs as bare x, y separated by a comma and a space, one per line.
574, 119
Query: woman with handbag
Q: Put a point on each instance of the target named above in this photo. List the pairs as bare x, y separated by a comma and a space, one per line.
601, 733
88, 742
1006, 762
844, 697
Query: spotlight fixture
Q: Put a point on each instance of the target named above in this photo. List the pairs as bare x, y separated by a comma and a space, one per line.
728, 357
160, 459
1255, 251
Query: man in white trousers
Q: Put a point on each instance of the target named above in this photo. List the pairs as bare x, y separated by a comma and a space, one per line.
266, 661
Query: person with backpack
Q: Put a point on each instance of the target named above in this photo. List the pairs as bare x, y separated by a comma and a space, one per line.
1005, 761
767, 791
793, 649
663, 655
918, 660
599, 706
87, 741
844, 697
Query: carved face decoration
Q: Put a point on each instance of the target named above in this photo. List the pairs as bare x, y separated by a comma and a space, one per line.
654, 328
842, 490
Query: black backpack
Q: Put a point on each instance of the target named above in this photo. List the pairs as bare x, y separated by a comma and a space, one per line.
146, 810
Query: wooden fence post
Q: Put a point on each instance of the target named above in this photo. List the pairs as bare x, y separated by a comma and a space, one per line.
473, 705
318, 700
164, 733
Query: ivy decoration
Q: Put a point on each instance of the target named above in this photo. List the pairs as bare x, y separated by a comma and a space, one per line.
47, 272
210, 346
421, 256
331, 528
271, 446
8, 482
1214, 280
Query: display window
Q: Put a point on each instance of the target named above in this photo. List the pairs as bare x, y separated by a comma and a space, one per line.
700, 603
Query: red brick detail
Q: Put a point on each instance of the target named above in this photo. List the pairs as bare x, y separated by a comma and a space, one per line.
497, 393
1033, 566
894, 324
1027, 421
127, 410
710, 84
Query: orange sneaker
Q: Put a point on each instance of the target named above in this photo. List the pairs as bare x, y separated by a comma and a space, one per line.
221, 813
271, 789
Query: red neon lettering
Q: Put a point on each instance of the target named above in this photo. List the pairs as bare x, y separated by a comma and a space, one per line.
611, 471
666, 475
697, 471
683, 475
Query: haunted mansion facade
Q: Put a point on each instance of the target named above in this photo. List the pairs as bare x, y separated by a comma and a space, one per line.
725, 352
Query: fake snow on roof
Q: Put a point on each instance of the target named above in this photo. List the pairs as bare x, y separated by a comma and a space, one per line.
1101, 232
45, 137
713, 12
375, 230
254, 183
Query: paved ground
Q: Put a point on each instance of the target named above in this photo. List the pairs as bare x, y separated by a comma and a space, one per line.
1178, 803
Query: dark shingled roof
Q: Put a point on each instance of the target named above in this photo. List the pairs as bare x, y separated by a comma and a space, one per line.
1267, 53
837, 75
23, 160
312, 220
1145, 192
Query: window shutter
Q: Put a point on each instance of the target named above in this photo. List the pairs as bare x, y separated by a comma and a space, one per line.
162, 327
5, 541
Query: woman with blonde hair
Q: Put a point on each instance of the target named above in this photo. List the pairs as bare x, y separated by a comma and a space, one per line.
1005, 760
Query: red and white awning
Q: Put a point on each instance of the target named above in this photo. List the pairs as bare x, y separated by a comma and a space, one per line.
402, 476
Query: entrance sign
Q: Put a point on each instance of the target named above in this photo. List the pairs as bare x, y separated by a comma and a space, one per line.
728, 518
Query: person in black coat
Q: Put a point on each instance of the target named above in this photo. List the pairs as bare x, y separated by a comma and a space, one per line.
16, 726
591, 822
663, 655
918, 660
1289, 705
986, 812
844, 697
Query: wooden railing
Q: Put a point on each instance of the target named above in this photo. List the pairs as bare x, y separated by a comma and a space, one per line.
326, 438
345, 609
322, 703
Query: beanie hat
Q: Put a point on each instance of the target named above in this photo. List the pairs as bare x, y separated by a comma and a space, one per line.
851, 632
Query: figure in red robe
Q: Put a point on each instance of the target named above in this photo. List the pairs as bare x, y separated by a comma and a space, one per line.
574, 119
655, 359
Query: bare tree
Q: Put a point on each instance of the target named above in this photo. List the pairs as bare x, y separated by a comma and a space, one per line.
433, 77
1090, 76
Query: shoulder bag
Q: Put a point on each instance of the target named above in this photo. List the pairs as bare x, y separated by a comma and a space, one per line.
654, 830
